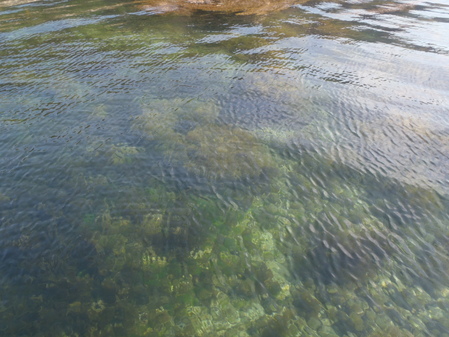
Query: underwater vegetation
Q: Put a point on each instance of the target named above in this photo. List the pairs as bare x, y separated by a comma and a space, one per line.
226, 151
189, 132
290, 260
220, 229
197, 214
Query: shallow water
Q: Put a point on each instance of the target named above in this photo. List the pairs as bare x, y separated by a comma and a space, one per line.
215, 174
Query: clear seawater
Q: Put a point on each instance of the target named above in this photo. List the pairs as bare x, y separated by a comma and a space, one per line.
213, 174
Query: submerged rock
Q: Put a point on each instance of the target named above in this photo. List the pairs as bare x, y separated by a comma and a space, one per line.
187, 132
226, 152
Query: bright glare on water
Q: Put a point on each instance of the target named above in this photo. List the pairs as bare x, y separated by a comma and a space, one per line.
231, 168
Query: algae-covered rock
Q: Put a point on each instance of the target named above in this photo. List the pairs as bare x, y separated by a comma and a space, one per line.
392, 331
306, 303
186, 131
274, 325
163, 119
357, 321
166, 122
224, 151
121, 154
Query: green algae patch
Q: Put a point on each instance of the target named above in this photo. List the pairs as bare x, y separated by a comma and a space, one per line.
223, 151
166, 121
187, 131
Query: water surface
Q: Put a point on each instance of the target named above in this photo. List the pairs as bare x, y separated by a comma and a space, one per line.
215, 174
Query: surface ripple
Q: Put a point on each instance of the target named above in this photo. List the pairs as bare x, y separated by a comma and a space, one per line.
213, 174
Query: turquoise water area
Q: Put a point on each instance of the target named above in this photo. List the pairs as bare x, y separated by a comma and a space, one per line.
215, 174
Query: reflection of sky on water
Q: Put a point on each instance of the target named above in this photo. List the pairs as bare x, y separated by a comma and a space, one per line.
428, 34
416, 23
385, 103
16, 2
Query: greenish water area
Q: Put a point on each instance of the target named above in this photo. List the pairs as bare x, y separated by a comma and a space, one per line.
166, 172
